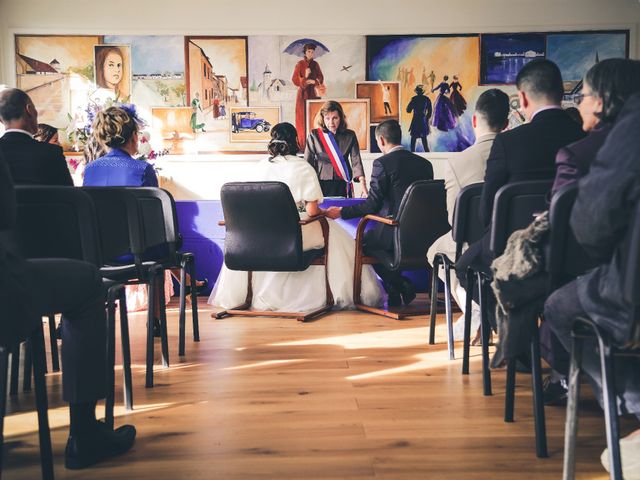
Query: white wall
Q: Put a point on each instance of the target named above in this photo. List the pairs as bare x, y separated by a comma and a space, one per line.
200, 177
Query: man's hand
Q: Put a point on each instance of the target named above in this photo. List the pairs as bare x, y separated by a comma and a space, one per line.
333, 212
364, 193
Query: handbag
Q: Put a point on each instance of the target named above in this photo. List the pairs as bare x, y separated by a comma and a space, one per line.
320, 90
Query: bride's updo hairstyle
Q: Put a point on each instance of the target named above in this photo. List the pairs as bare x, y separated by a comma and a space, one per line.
114, 126
284, 140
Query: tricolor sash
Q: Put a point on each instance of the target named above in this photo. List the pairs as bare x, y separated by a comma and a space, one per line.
330, 147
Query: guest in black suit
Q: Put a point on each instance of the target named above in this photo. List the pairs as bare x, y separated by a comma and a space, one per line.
527, 152
392, 174
600, 218
74, 288
30, 162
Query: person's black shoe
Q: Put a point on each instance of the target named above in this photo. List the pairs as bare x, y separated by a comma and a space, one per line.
408, 291
554, 393
157, 329
83, 450
393, 295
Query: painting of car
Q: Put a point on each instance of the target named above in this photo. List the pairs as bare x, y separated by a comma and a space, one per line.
241, 121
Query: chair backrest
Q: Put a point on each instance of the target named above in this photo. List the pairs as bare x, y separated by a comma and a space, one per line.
262, 227
56, 222
158, 220
513, 209
116, 219
566, 259
422, 219
467, 226
631, 276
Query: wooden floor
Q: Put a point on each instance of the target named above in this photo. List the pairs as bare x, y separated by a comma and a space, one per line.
349, 396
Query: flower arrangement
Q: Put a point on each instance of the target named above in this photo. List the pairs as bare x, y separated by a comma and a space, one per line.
80, 128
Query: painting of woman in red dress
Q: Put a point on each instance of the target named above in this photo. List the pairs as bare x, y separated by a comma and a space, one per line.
306, 76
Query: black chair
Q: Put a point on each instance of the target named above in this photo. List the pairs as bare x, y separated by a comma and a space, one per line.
514, 208
421, 220
264, 234
38, 358
60, 222
126, 227
608, 349
467, 228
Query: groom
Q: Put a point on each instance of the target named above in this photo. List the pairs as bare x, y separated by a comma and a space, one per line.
392, 174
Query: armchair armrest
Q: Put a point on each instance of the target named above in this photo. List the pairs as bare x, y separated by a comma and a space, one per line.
221, 223
366, 219
385, 220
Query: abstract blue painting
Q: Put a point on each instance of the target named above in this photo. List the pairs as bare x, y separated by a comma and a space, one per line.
503, 55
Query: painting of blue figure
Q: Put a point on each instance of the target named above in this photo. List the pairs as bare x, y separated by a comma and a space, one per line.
577, 52
438, 80
503, 55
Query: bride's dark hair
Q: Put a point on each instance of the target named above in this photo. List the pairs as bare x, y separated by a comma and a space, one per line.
284, 140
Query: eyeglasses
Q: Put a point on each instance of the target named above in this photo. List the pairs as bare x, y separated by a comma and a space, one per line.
579, 97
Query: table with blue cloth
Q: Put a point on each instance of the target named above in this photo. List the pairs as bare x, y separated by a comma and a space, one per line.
198, 221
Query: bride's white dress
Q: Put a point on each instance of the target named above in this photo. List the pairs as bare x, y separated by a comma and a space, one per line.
300, 291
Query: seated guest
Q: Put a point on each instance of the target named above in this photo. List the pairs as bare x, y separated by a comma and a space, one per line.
489, 119
606, 86
392, 174
47, 134
525, 153
330, 145
602, 214
75, 289
117, 128
30, 161
298, 291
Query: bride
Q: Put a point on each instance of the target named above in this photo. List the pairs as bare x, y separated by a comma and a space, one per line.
298, 291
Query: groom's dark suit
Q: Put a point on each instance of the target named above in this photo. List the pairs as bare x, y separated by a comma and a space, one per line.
391, 176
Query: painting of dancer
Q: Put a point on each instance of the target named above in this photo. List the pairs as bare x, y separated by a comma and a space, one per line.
420, 107
424, 60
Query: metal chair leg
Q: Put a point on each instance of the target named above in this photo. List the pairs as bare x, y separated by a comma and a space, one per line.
164, 339
182, 308
485, 330
39, 360
126, 350
571, 419
538, 400
610, 409
151, 289
4, 378
467, 322
15, 370
53, 340
447, 308
194, 299
27, 368
434, 299
510, 393
111, 356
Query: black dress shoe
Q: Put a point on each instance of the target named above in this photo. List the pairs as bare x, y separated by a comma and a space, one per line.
157, 329
554, 393
393, 295
85, 449
408, 291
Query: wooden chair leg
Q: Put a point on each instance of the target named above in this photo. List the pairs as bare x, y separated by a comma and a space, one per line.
467, 322
571, 419
538, 400
434, 299
247, 301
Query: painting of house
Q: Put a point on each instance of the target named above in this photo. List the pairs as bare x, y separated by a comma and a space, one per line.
57, 73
